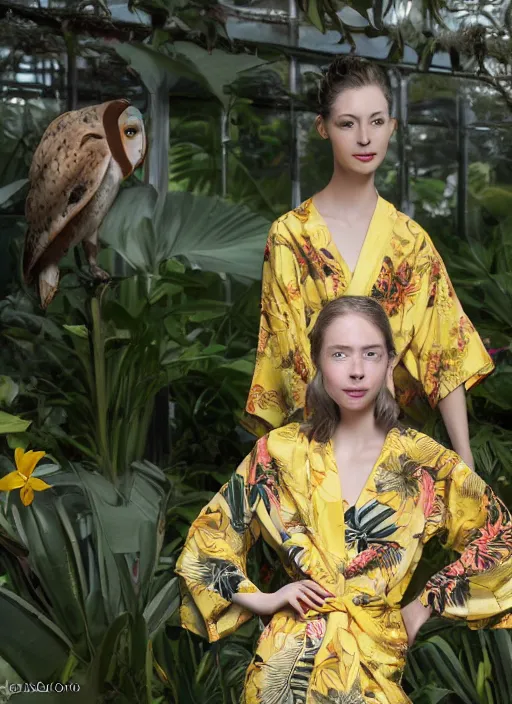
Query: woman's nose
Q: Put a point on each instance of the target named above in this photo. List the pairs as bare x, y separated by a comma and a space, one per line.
357, 370
363, 138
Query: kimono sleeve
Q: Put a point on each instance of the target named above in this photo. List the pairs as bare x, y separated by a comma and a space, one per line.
212, 565
445, 350
283, 366
477, 587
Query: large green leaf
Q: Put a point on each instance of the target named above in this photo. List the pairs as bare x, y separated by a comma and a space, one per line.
8, 390
162, 606
219, 68
154, 67
497, 200
498, 387
53, 558
122, 664
12, 424
208, 232
7, 192
94, 547
499, 645
31, 644
212, 70
436, 655
102, 664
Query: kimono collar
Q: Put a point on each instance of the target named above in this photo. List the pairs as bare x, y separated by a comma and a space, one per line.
375, 245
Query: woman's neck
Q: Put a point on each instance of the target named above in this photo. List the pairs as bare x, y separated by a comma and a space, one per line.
358, 430
347, 193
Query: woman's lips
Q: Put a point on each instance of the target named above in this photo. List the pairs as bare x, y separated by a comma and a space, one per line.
355, 393
364, 157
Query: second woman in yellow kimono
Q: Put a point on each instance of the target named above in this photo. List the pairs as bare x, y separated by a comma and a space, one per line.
348, 501
388, 257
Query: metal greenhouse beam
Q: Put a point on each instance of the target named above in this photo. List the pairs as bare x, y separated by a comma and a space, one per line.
402, 103
462, 161
294, 87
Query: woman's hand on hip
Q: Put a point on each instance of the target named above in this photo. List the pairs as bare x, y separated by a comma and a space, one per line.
301, 596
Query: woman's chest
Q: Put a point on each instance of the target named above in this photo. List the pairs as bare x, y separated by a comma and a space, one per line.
393, 280
381, 507
347, 242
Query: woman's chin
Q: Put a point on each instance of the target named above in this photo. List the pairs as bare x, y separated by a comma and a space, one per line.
355, 405
359, 168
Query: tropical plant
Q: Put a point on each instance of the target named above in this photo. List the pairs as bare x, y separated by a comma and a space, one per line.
91, 589
112, 350
450, 663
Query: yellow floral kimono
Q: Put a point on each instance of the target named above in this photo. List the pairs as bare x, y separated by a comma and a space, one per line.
288, 491
437, 345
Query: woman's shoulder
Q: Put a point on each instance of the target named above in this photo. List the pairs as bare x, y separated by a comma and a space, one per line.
292, 223
286, 434
282, 441
423, 449
406, 226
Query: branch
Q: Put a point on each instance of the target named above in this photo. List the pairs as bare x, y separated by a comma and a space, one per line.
61, 20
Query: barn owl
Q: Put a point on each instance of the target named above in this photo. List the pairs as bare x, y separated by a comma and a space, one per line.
74, 178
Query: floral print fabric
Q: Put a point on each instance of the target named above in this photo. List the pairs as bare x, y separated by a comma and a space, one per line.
437, 345
288, 491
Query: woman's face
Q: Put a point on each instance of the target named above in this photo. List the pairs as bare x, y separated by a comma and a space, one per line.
354, 362
359, 127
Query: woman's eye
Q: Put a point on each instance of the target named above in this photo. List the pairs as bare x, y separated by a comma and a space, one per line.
130, 131
378, 121
339, 355
346, 124
371, 355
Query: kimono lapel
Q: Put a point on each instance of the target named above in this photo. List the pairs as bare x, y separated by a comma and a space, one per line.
321, 240
375, 245
326, 500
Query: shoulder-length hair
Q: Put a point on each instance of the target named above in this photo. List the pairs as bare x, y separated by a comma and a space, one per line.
323, 414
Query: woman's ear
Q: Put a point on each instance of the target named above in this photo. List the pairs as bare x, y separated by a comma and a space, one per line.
389, 377
320, 127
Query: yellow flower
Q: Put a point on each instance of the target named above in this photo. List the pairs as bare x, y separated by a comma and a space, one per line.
22, 478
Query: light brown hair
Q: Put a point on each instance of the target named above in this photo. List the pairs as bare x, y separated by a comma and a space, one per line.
347, 72
323, 413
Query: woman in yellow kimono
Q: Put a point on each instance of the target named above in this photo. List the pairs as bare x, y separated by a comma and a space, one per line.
347, 500
349, 240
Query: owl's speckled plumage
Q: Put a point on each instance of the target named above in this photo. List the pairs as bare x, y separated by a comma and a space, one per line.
75, 175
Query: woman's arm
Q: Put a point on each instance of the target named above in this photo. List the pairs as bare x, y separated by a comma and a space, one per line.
477, 587
283, 365
301, 596
414, 616
445, 353
212, 565
455, 416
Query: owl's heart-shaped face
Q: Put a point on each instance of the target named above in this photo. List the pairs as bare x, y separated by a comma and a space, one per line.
133, 135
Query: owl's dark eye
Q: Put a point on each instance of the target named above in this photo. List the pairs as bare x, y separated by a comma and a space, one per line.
130, 132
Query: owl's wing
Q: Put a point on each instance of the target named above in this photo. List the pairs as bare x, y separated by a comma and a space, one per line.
67, 169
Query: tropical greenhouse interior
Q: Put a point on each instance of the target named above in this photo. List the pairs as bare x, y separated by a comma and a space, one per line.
134, 389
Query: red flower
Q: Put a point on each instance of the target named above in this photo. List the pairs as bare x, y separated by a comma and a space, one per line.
456, 569
393, 286
493, 543
429, 494
359, 563
432, 374
300, 367
263, 456
316, 629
